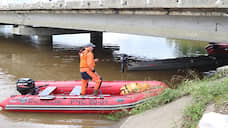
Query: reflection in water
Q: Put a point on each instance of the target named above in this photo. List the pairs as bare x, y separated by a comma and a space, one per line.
140, 46
188, 47
59, 120
60, 61
154, 48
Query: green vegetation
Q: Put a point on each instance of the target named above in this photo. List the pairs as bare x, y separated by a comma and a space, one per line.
167, 96
203, 92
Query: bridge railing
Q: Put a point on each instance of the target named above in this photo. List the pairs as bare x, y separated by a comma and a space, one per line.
104, 4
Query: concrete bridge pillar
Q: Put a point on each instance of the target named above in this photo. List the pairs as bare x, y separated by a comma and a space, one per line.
97, 39
44, 40
43, 37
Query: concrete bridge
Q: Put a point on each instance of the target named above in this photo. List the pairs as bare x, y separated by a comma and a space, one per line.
204, 20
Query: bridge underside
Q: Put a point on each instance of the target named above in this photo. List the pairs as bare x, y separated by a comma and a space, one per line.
204, 28
27, 30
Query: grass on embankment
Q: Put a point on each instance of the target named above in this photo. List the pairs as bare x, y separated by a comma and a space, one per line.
208, 90
203, 92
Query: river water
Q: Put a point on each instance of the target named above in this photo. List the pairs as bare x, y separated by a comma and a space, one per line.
24, 57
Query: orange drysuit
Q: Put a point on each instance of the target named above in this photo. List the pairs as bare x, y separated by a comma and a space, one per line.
87, 71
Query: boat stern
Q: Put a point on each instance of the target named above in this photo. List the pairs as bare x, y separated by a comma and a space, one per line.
3, 104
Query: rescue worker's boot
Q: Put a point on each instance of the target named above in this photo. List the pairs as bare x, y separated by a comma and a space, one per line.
95, 92
84, 86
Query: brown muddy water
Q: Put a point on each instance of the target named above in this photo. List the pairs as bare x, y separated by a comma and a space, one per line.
24, 57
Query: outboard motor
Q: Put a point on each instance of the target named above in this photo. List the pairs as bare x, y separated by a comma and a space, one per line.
26, 86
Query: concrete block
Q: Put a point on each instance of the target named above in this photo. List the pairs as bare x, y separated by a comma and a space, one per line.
90, 4
201, 3
14, 4
223, 69
31, 4
132, 3
46, 4
112, 3
56, 4
25, 5
222, 3
102, 4
3, 4
72, 3
161, 3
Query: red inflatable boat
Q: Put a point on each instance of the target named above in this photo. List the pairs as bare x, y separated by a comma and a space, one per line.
64, 96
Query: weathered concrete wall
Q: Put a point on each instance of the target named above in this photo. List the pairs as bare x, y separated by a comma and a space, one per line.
104, 4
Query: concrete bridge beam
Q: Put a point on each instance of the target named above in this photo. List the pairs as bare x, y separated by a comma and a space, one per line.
204, 20
42, 31
44, 35
204, 28
104, 4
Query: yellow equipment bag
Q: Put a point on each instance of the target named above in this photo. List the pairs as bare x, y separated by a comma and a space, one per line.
133, 87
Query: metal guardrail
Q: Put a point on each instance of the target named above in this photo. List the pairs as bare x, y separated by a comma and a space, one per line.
104, 4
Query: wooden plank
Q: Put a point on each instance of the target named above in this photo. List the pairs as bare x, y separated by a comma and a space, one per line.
48, 97
47, 91
90, 97
76, 91
84, 97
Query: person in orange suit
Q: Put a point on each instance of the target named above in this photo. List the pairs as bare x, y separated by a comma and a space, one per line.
87, 70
